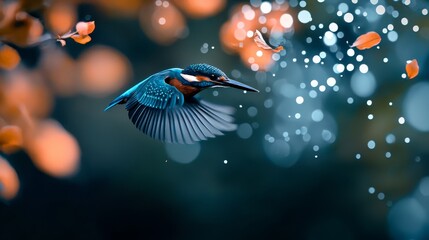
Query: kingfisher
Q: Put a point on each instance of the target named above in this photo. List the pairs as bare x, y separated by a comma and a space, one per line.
164, 105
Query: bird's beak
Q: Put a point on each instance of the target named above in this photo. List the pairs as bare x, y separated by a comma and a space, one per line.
236, 84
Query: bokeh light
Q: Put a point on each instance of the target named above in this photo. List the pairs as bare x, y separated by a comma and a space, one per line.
9, 182
61, 16
183, 153
61, 72
407, 219
54, 150
415, 106
9, 57
363, 85
28, 89
164, 24
11, 139
200, 8
244, 130
103, 70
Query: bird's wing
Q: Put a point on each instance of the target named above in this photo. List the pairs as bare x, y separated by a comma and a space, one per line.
185, 124
154, 92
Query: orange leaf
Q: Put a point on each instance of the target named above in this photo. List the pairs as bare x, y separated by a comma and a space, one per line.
412, 69
260, 42
81, 39
9, 182
278, 49
9, 57
85, 28
10, 139
62, 41
367, 40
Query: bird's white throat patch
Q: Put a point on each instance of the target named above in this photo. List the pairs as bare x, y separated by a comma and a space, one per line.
189, 78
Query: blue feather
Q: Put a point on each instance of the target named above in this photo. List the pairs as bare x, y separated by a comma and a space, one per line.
191, 122
124, 97
152, 92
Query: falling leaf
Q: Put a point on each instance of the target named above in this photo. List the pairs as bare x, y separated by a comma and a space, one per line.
62, 42
54, 150
367, 40
10, 139
9, 182
81, 39
412, 68
9, 57
260, 42
85, 28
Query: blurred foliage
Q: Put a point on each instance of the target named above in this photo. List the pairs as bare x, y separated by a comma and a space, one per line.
70, 171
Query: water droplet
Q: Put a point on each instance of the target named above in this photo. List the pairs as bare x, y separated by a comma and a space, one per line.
380, 10
304, 16
390, 138
244, 131
363, 68
348, 17
329, 38
371, 144
331, 81
266, 7
183, 153
317, 115
252, 111
369, 102
333, 27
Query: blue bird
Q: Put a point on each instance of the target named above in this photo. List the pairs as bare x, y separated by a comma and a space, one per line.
164, 106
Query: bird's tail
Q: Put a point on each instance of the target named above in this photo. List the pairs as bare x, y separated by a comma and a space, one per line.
119, 100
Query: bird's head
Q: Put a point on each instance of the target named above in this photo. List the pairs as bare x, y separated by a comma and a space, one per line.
204, 76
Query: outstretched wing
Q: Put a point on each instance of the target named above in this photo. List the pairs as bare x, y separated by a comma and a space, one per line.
154, 92
188, 123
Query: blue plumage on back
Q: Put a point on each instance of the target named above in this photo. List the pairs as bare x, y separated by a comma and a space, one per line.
163, 107
154, 92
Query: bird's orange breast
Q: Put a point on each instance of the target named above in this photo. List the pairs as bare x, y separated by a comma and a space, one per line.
188, 91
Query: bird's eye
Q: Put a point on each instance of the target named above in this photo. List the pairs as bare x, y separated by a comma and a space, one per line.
213, 77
